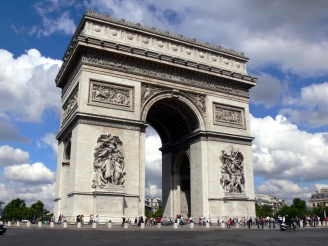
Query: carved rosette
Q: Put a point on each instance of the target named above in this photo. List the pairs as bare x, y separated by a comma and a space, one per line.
111, 95
200, 101
69, 105
229, 116
148, 91
108, 163
232, 171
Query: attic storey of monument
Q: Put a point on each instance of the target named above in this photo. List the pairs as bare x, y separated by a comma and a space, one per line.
117, 78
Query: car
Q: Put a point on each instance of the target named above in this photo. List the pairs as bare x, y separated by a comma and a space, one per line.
2, 229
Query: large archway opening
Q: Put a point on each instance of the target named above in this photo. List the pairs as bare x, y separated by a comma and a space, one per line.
174, 121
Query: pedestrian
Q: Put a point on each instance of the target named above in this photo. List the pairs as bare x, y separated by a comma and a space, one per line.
218, 219
123, 221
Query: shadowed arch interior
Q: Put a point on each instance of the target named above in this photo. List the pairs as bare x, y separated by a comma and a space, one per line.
172, 119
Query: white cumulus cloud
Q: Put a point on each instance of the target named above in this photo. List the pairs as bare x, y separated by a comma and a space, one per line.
29, 173
281, 150
10, 156
27, 85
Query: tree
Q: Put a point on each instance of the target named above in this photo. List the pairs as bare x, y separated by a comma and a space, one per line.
263, 211
318, 210
36, 211
16, 209
299, 208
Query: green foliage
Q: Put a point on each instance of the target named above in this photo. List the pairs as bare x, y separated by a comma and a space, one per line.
297, 209
263, 211
16, 209
158, 213
318, 210
37, 211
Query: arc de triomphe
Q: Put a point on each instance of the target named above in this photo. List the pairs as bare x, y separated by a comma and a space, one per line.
118, 78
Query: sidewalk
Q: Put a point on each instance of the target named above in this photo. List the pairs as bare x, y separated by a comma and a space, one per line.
148, 228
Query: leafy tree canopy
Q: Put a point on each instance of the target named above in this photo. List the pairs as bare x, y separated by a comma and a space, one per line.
16, 209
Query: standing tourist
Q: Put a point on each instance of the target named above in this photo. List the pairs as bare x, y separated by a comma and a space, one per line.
218, 219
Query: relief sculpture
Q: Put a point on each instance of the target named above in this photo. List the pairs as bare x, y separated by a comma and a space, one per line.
200, 102
108, 162
112, 95
147, 91
232, 171
69, 106
229, 116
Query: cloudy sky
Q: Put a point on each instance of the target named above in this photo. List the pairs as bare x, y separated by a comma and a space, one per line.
286, 42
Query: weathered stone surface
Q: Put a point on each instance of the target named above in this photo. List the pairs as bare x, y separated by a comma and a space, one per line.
198, 104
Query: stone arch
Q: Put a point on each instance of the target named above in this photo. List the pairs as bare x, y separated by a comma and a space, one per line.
178, 103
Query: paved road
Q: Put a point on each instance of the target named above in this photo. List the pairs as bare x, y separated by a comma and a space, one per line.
49, 237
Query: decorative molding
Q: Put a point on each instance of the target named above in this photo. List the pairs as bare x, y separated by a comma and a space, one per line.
227, 140
228, 116
159, 73
108, 124
111, 95
154, 30
109, 163
232, 172
70, 105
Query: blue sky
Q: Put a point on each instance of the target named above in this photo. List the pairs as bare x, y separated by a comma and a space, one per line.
286, 42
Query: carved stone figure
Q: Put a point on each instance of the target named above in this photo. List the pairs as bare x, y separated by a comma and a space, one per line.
200, 102
147, 91
108, 162
229, 116
72, 102
112, 95
232, 171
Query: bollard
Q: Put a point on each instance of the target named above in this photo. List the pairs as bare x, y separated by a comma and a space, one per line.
223, 225
237, 225
1, 222
319, 223
192, 225
28, 223
207, 225
9, 223
175, 226
301, 223
17, 223
65, 224
52, 224
142, 226
39, 224
78, 224
126, 226
94, 225
109, 225
159, 225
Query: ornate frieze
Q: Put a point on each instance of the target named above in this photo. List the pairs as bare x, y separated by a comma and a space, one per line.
232, 171
159, 73
111, 95
109, 124
108, 162
228, 116
161, 32
69, 105
147, 91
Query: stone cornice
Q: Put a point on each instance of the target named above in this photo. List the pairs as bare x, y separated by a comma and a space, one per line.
129, 50
167, 34
90, 119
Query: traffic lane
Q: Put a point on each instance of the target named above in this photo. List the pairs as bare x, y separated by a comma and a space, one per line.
104, 237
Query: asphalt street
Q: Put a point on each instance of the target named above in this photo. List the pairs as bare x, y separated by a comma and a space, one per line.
73, 236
